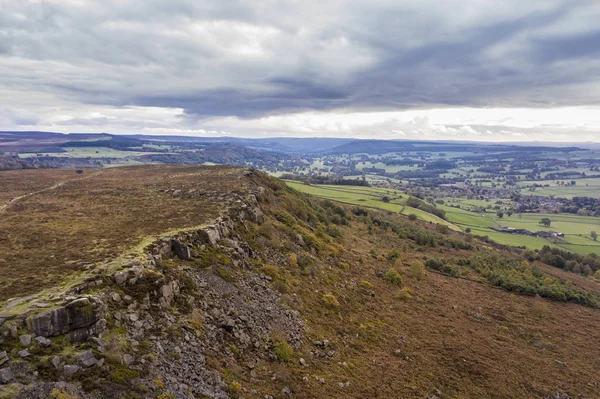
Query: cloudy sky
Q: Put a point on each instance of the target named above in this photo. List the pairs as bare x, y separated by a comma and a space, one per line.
444, 69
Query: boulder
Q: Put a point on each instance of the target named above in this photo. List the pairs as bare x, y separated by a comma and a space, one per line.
6, 376
167, 293
57, 362
75, 315
257, 216
70, 369
25, 339
24, 353
128, 359
181, 250
87, 359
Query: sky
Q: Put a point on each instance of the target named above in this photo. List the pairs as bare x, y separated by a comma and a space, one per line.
481, 70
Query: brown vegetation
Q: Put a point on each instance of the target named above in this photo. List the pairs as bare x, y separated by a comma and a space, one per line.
97, 216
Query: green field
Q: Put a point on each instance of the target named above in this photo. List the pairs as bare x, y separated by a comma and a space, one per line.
369, 197
582, 188
576, 228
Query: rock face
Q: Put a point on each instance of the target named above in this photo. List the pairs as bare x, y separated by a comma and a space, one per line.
78, 314
181, 250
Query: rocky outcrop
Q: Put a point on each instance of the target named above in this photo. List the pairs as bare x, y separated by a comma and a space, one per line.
76, 315
144, 302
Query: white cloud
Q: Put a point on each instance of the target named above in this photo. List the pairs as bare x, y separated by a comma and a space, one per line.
464, 69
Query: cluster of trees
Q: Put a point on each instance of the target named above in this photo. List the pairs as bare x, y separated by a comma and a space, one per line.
341, 182
519, 277
582, 205
566, 260
424, 206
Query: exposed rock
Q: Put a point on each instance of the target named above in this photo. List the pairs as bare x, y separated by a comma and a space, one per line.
176, 193
25, 339
3, 357
81, 334
167, 293
24, 353
120, 277
116, 297
6, 376
128, 359
181, 250
77, 314
57, 362
87, 359
70, 369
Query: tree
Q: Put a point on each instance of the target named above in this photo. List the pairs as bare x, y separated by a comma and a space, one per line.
546, 222
500, 214
594, 235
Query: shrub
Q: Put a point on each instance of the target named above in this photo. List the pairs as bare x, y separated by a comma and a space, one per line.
404, 293
530, 255
62, 394
442, 228
270, 270
294, 260
412, 217
284, 352
442, 266
225, 274
196, 319
392, 256
235, 388
331, 301
417, 270
365, 285
393, 277
540, 309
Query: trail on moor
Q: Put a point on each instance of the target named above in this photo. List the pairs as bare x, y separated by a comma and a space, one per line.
4, 208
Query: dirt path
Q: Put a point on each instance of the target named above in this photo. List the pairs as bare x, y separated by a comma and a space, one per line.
5, 207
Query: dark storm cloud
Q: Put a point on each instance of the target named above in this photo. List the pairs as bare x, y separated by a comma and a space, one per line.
250, 59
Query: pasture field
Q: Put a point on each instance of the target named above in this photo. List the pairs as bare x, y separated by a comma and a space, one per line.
582, 188
369, 197
576, 228
460, 219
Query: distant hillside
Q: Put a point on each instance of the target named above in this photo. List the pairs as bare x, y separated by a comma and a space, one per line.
387, 146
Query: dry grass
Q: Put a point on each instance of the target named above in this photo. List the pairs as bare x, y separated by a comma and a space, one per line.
96, 216
465, 338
